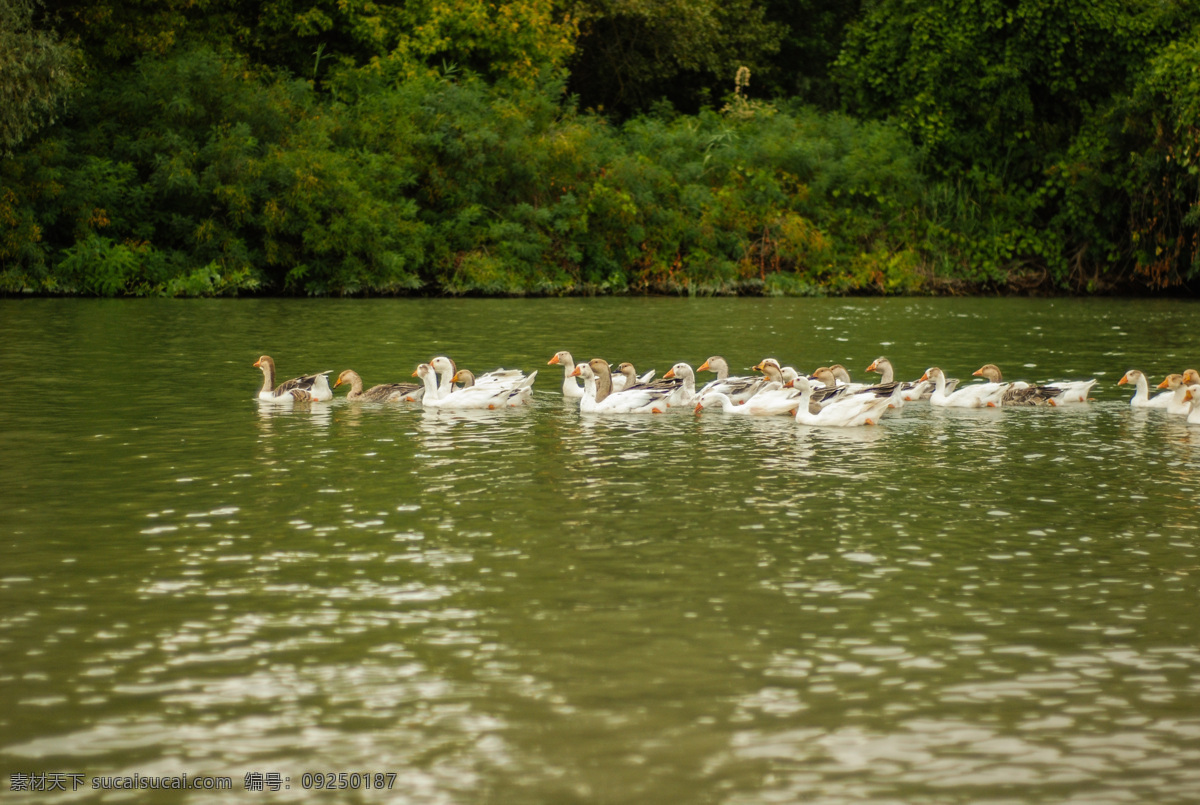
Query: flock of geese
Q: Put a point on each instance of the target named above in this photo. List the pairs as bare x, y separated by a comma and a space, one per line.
827, 397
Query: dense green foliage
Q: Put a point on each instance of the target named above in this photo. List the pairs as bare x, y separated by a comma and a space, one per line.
527, 147
36, 73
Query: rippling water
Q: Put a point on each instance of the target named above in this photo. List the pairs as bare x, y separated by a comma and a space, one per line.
534, 606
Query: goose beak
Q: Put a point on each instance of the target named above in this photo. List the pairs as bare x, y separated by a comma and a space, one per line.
977, 373
872, 367
1188, 396
415, 371
670, 373
257, 364
699, 408
704, 367
1123, 380
338, 383
1163, 384
924, 377
552, 361
575, 372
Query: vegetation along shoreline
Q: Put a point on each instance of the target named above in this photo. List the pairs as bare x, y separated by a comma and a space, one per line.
580, 147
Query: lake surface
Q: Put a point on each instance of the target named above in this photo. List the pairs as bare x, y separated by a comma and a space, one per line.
532, 606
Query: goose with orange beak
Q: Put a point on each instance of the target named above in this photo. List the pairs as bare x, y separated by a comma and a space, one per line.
917, 390
1175, 385
1192, 397
737, 388
685, 393
384, 392
846, 411
1018, 392
571, 388
306, 388
472, 397
1141, 396
599, 397
980, 395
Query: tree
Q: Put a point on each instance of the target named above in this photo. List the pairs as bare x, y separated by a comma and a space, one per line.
37, 73
632, 53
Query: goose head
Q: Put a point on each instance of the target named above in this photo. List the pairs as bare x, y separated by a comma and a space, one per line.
715, 364
932, 373
680, 370
799, 382
1171, 382
464, 376
879, 365
1191, 377
423, 371
770, 368
840, 373
989, 371
349, 376
561, 357
443, 366
825, 376
626, 369
1132, 376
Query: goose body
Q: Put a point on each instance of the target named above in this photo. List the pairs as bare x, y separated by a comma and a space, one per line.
1141, 396
758, 405
384, 392
1192, 397
599, 397
514, 390
492, 395
737, 388
685, 392
919, 390
975, 396
1018, 392
850, 411
308, 387
446, 369
571, 388
632, 380
1177, 389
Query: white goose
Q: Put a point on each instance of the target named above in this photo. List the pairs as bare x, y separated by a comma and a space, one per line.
738, 389
1192, 397
920, 390
1072, 391
685, 392
518, 393
599, 397
571, 388
308, 387
447, 369
1177, 388
975, 396
848, 411
473, 397
1141, 396
758, 405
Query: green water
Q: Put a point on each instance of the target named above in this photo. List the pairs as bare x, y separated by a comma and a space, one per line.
533, 606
